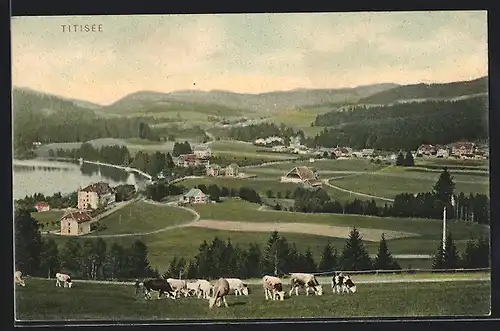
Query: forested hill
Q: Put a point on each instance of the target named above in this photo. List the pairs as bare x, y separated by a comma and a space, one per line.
47, 118
276, 100
406, 125
428, 91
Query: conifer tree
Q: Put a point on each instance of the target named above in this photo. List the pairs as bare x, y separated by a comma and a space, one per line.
354, 254
384, 259
328, 260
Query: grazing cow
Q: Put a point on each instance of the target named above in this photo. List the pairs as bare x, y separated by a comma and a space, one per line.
179, 286
273, 288
342, 283
221, 290
162, 286
237, 285
349, 285
17, 279
205, 289
308, 281
64, 279
192, 289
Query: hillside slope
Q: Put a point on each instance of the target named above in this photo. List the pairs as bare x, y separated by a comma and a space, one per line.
428, 91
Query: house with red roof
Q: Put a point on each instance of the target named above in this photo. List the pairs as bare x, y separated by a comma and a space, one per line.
75, 223
42, 206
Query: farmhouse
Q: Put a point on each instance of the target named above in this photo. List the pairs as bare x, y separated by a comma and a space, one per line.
426, 149
442, 153
213, 170
42, 206
232, 170
304, 175
342, 152
462, 148
194, 195
95, 195
188, 160
203, 152
75, 222
367, 152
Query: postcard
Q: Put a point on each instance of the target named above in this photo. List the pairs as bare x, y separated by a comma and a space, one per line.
249, 166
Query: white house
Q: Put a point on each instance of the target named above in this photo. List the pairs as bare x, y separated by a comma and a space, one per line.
95, 195
195, 196
203, 152
442, 153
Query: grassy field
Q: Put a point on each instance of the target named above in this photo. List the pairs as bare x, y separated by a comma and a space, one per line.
143, 217
40, 300
185, 241
390, 183
49, 219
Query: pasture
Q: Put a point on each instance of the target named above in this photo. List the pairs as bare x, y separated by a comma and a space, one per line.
395, 181
40, 300
185, 240
141, 217
48, 220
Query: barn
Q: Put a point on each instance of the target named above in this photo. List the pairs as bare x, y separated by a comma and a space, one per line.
305, 175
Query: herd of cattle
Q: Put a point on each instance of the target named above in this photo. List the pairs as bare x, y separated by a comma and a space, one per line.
216, 293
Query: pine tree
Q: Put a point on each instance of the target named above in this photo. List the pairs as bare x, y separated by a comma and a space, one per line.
354, 254
49, 258
28, 243
409, 161
468, 257
308, 261
444, 187
451, 256
439, 262
384, 259
400, 161
328, 260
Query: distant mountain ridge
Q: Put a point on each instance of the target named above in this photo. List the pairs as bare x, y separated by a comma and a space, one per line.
250, 102
419, 92
225, 102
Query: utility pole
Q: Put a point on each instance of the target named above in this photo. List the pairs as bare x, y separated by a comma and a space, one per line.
276, 261
444, 221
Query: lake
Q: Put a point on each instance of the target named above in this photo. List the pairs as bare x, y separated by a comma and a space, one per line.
49, 177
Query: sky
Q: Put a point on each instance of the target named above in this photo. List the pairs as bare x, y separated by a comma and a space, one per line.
245, 53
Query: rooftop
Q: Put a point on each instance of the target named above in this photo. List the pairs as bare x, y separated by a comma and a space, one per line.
77, 215
99, 187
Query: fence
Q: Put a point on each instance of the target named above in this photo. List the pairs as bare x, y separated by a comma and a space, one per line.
324, 280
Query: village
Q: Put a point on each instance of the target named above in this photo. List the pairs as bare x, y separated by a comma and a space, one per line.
98, 200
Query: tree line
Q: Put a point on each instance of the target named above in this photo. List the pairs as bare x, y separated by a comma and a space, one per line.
473, 208
90, 259
220, 258
476, 254
404, 126
113, 154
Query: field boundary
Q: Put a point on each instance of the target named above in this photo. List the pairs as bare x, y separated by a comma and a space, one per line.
321, 281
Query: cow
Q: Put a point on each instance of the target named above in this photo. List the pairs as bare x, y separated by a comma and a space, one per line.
342, 283
308, 281
221, 290
205, 289
179, 286
64, 279
273, 288
162, 286
192, 289
237, 285
18, 280
349, 285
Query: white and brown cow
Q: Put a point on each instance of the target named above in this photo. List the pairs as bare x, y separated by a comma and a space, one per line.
205, 289
308, 281
273, 288
221, 290
192, 289
17, 279
179, 286
63, 279
237, 285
